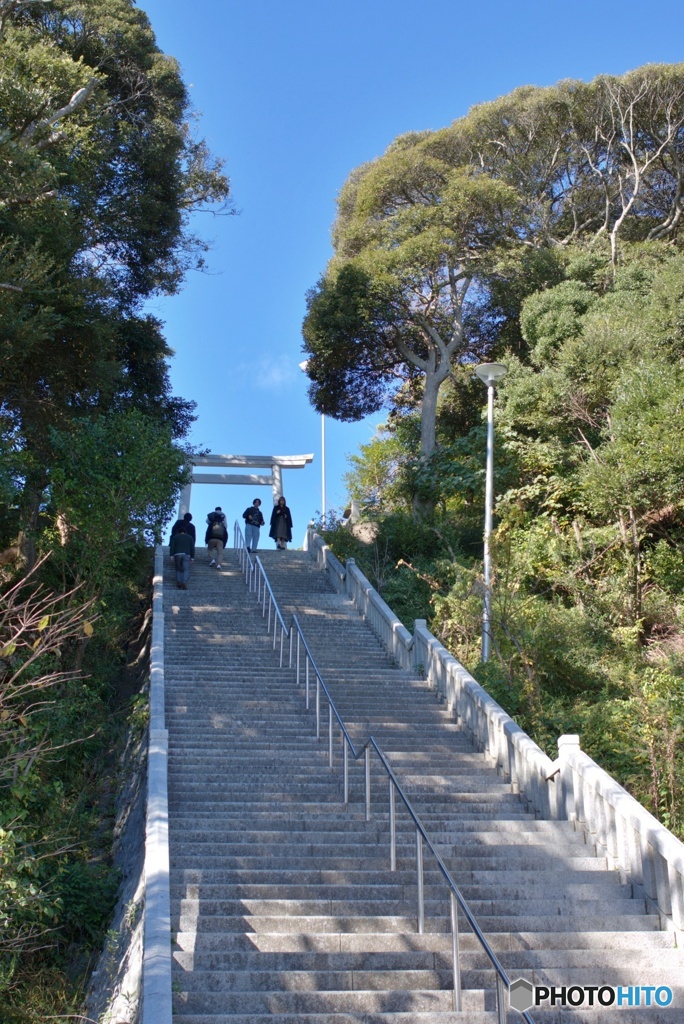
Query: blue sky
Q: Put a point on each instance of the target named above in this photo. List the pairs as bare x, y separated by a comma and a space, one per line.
293, 96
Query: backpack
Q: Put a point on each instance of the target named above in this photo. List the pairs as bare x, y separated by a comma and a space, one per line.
216, 529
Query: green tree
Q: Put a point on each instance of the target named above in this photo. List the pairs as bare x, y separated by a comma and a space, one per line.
412, 239
99, 173
439, 242
115, 483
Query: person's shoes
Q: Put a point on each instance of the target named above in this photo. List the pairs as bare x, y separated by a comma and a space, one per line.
183, 586
213, 562
219, 567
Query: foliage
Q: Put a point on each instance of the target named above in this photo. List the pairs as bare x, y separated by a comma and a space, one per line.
496, 233
588, 565
100, 172
63, 713
123, 475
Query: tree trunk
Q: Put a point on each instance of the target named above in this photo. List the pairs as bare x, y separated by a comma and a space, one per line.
423, 507
30, 508
428, 412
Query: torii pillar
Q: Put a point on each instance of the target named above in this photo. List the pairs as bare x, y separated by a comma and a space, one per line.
276, 464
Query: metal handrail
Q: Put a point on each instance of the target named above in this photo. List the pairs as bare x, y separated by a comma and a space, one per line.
456, 898
257, 580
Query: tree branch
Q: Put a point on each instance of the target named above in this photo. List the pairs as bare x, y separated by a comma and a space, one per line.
80, 97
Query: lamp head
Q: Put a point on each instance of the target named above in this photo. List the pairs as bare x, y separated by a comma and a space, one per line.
491, 373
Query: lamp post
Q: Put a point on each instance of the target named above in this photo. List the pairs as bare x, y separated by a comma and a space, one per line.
303, 366
489, 374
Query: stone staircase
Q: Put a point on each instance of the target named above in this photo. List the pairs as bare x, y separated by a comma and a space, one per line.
282, 899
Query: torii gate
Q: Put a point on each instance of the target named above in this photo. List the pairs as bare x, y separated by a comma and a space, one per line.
276, 464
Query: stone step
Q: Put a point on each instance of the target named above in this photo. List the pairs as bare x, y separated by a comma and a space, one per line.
341, 833
654, 963
283, 1002
412, 1017
480, 856
433, 942
402, 923
360, 875
265, 979
399, 905
592, 1016
210, 893
323, 857
288, 821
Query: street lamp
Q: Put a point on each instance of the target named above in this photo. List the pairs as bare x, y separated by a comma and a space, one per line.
303, 366
489, 374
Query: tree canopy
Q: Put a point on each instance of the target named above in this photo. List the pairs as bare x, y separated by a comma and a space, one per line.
99, 173
439, 241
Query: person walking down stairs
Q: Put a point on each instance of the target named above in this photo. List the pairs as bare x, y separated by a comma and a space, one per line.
254, 519
281, 524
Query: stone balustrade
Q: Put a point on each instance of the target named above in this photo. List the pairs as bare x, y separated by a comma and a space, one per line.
156, 985
573, 787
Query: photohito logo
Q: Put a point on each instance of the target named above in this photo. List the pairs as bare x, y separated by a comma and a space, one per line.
525, 996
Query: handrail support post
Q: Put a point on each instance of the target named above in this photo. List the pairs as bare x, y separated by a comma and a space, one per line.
421, 882
345, 749
330, 736
455, 954
393, 827
500, 999
318, 708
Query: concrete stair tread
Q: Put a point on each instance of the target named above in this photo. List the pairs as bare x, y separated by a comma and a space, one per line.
412, 1017
369, 1000
436, 942
655, 962
405, 923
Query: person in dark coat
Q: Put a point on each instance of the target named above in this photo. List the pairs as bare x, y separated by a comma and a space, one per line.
281, 524
182, 551
189, 527
216, 539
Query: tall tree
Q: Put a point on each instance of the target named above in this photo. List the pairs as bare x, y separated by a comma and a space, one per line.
414, 241
99, 174
438, 242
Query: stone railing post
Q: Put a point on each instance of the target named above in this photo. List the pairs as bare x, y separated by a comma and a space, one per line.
566, 805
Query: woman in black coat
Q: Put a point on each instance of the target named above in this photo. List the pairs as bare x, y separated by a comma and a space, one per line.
281, 524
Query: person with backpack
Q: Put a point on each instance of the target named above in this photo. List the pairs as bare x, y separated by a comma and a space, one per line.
218, 513
182, 552
253, 518
216, 536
